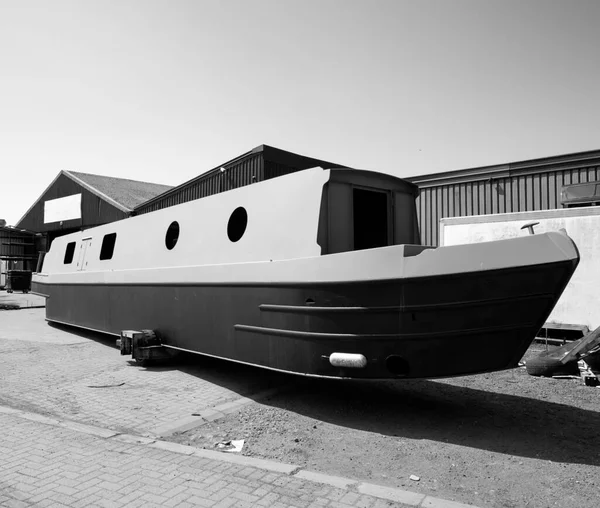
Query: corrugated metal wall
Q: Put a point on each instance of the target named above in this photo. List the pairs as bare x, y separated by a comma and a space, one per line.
17, 245
516, 187
262, 163
247, 170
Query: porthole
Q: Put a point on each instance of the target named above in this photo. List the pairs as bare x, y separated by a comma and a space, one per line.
236, 227
172, 235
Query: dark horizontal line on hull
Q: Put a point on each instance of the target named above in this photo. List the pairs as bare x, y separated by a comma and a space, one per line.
311, 309
295, 334
299, 283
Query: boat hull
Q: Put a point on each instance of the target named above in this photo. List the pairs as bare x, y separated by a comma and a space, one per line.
410, 327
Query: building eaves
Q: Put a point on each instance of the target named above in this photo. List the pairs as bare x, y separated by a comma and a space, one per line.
576, 160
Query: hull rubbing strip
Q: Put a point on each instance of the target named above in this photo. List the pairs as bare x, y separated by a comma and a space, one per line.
294, 334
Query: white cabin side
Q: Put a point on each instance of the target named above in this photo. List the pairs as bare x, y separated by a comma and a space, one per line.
305, 214
282, 223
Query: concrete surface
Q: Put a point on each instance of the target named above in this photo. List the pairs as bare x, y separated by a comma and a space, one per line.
82, 426
21, 300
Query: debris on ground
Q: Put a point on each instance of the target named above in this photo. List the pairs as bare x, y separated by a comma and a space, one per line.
564, 360
234, 446
589, 375
106, 386
496, 433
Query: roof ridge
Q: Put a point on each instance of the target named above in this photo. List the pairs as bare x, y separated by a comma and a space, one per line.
117, 178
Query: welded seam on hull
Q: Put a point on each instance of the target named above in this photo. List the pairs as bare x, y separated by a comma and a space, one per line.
295, 334
311, 309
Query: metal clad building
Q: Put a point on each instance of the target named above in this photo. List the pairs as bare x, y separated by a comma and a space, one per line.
515, 187
17, 245
75, 201
261, 163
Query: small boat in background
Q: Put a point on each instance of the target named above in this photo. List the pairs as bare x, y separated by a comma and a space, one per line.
318, 273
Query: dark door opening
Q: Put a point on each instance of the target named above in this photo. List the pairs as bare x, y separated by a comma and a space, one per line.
370, 219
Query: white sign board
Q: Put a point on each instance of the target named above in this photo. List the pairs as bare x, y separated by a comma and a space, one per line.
67, 208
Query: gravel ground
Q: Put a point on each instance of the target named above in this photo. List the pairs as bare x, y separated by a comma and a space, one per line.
504, 439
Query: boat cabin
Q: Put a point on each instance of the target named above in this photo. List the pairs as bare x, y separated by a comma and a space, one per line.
305, 214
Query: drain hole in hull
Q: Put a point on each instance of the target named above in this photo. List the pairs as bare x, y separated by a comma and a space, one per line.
397, 365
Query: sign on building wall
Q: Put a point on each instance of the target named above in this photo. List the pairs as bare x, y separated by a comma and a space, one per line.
67, 208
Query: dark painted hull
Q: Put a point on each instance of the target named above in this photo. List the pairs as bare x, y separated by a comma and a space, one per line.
438, 326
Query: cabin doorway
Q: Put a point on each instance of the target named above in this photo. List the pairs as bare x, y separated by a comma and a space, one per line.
371, 224
83, 248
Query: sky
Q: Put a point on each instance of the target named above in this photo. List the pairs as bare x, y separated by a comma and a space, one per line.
162, 91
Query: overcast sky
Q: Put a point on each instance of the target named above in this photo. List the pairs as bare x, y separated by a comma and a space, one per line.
162, 91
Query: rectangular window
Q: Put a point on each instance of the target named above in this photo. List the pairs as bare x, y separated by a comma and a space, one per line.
108, 246
69, 252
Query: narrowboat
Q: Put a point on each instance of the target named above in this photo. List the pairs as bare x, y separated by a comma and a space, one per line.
319, 272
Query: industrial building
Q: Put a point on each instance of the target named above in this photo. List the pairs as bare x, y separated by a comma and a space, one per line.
537, 184
261, 163
531, 185
18, 250
75, 201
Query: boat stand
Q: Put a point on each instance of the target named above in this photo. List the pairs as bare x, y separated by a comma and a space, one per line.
144, 346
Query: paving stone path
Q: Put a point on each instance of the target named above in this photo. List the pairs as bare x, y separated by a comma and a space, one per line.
81, 426
55, 463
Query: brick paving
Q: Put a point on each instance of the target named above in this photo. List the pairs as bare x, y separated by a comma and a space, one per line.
84, 378
74, 413
48, 465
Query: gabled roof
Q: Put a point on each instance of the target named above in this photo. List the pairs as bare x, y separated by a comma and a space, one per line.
127, 193
122, 193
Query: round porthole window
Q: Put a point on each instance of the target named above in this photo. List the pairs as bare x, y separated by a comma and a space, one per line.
172, 235
236, 227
